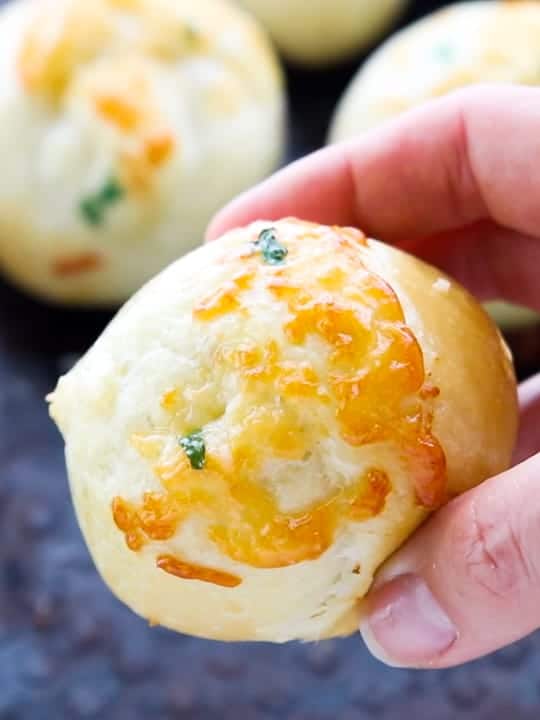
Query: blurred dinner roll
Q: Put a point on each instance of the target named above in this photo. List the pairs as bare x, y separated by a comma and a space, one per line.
321, 32
460, 45
124, 125
266, 421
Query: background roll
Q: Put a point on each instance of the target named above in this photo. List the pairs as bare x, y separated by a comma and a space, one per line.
322, 32
124, 125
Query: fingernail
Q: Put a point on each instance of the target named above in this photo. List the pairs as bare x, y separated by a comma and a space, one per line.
405, 626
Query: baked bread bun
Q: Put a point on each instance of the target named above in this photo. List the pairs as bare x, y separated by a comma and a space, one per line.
459, 45
269, 419
463, 44
124, 125
320, 32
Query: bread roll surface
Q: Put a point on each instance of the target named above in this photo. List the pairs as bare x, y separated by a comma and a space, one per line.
265, 422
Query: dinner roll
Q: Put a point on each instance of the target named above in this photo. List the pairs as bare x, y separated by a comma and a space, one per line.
266, 421
318, 32
124, 125
463, 44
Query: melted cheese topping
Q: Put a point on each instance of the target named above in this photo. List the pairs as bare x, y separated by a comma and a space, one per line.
224, 300
188, 571
57, 43
372, 379
65, 36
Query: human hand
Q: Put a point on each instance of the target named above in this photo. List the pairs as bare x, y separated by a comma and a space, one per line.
456, 182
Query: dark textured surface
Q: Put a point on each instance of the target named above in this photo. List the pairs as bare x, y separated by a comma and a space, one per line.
69, 650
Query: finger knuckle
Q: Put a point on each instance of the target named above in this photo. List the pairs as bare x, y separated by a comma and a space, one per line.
493, 553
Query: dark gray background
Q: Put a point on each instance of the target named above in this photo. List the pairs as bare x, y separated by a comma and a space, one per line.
68, 649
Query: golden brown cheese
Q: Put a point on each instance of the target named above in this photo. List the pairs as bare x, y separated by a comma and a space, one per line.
55, 44
224, 300
118, 111
58, 43
375, 383
138, 166
187, 571
77, 264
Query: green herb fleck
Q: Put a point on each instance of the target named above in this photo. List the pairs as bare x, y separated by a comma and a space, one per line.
94, 206
91, 211
111, 192
273, 252
194, 447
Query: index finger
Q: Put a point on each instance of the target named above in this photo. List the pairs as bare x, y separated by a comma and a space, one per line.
470, 156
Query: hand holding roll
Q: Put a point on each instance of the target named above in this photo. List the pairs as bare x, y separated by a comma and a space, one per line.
457, 183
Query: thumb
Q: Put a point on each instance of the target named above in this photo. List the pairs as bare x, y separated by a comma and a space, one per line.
467, 583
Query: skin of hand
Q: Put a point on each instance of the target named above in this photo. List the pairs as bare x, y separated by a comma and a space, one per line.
456, 182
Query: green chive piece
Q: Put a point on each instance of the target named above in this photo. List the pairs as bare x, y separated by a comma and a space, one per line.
195, 448
94, 206
273, 252
91, 211
111, 192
